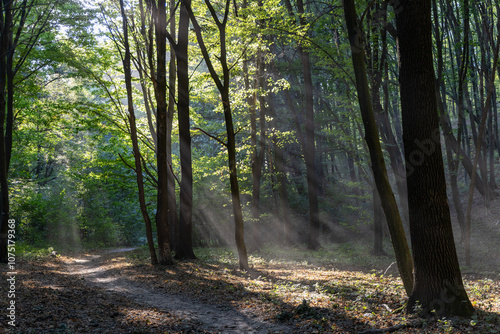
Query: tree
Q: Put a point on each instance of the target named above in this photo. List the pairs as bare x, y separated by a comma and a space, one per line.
222, 84
6, 97
438, 286
377, 70
133, 136
309, 146
173, 218
384, 189
164, 253
23, 24
185, 244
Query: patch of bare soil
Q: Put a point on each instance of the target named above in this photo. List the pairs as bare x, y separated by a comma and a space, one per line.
90, 293
97, 270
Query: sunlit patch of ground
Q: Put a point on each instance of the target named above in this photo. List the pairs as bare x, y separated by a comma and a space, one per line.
306, 295
49, 299
316, 299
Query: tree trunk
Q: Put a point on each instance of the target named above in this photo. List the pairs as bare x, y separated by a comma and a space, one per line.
310, 146
185, 247
6, 36
442, 109
377, 70
223, 87
401, 249
235, 191
133, 137
438, 287
173, 220
165, 256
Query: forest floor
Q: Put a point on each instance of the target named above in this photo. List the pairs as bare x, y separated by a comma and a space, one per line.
341, 288
116, 291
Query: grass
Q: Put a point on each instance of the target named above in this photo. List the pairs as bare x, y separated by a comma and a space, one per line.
29, 252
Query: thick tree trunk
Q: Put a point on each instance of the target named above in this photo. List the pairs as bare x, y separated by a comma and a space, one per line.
185, 247
438, 284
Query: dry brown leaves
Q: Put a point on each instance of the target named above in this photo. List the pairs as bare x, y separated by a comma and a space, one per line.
309, 299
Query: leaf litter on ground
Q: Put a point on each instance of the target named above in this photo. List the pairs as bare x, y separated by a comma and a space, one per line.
304, 297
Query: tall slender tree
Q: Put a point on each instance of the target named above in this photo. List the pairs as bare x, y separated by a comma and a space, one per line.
222, 83
164, 252
133, 135
173, 217
309, 145
185, 246
401, 249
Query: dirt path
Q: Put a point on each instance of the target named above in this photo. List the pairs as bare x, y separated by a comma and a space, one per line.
94, 269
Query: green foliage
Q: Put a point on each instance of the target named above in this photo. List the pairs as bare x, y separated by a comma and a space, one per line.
29, 251
46, 216
72, 142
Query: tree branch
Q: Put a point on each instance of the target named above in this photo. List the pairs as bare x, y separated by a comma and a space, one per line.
212, 136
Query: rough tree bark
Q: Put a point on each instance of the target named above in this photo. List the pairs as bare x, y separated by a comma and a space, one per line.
438, 287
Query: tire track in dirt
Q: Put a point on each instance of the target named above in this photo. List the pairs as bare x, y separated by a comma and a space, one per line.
95, 272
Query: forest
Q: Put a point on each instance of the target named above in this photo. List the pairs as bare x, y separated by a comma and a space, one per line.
249, 166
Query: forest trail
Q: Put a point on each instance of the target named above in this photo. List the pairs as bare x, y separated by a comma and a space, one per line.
97, 270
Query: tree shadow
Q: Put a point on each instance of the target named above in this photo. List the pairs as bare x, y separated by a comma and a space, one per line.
200, 294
